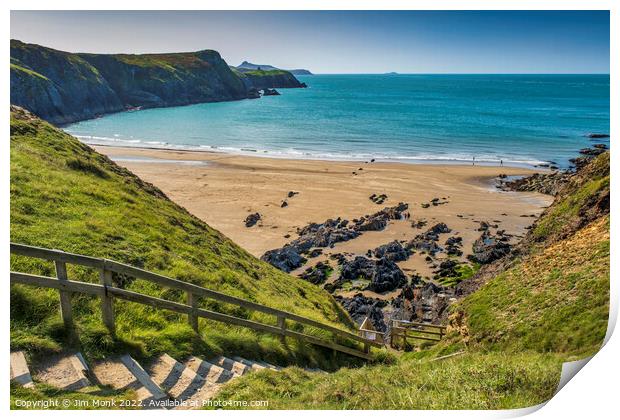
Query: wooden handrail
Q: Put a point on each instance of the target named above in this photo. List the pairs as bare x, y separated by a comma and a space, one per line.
106, 267
419, 324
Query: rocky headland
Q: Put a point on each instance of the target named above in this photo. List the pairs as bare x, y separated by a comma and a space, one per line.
63, 87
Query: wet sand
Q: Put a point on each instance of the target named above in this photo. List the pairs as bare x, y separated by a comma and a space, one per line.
223, 189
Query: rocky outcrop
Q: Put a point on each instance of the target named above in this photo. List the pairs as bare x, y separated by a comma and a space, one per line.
268, 79
270, 92
361, 307
286, 258
379, 220
317, 274
426, 303
384, 275
489, 248
427, 241
454, 245
314, 235
387, 277
64, 87
324, 235
359, 267
392, 251
547, 183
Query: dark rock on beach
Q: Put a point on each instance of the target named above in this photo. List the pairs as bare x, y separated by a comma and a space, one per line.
359, 267
286, 258
489, 248
453, 246
393, 251
252, 219
317, 274
379, 220
361, 307
388, 276
547, 183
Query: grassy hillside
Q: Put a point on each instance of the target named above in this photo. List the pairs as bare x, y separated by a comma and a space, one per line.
475, 381
550, 306
64, 195
554, 301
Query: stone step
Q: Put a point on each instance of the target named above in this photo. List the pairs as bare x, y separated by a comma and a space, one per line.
231, 365
250, 363
19, 370
211, 372
66, 371
123, 373
257, 364
268, 365
181, 383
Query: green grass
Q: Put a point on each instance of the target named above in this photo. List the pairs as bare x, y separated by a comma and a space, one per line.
17, 67
554, 301
471, 381
464, 272
578, 195
263, 73
169, 62
66, 196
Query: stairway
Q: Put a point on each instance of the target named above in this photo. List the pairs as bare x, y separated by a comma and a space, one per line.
163, 383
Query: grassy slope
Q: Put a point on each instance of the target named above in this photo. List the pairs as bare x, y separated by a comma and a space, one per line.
549, 307
65, 195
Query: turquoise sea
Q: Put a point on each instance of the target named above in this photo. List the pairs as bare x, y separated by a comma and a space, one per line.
520, 119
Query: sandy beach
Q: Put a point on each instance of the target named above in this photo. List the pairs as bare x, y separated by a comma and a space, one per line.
224, 189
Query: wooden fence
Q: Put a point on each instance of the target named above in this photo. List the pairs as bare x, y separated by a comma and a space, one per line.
107, 292
402, 331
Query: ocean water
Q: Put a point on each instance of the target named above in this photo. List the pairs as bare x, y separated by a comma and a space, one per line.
520, 119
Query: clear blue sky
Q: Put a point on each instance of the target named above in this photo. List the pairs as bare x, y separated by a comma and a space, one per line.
342, 41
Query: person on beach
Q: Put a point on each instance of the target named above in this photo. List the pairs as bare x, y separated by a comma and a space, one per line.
473, 161
501, 162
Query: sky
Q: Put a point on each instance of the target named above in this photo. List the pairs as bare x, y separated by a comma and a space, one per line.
341, 41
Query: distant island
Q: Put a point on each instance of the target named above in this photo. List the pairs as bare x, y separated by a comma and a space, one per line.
251, 66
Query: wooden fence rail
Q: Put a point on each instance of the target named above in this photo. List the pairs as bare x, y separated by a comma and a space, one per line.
405, 330
107, 292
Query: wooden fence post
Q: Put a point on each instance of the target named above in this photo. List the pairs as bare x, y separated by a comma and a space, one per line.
65, 298
282, 326
107, 307
192, 317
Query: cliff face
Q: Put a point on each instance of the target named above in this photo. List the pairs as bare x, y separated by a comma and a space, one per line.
58, 86
268, 79
64, 87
